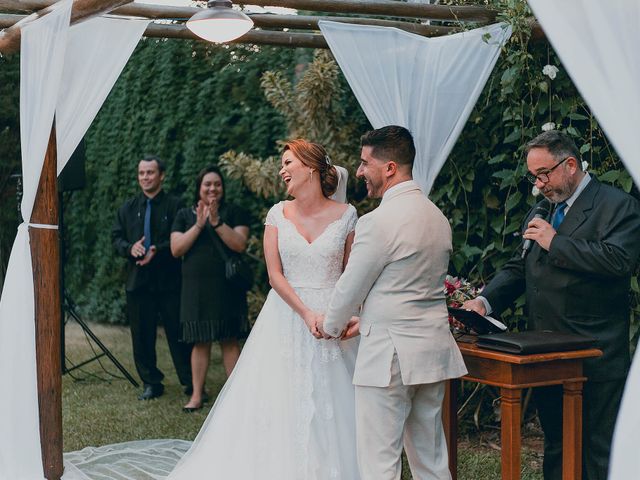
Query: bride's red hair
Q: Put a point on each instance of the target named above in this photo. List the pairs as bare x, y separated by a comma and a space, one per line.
313, 155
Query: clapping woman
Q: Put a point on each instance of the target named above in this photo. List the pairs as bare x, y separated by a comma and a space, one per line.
212, 310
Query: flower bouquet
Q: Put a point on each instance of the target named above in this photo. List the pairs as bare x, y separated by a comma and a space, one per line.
457, 291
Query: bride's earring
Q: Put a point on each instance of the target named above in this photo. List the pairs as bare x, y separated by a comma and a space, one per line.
310, 175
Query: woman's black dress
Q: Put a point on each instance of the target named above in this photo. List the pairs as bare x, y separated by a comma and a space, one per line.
210, 309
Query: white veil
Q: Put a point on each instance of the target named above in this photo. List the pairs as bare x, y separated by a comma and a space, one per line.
341, 191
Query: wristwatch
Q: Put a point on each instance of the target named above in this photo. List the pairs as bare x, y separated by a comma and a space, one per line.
220, 222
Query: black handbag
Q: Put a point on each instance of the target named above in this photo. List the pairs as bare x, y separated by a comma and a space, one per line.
237, 270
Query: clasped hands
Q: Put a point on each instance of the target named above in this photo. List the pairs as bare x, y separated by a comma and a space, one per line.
206, 213
140, 252
315, 321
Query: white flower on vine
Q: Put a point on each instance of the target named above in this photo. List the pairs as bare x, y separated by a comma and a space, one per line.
535, 191
548, 126
550, 71
585, 165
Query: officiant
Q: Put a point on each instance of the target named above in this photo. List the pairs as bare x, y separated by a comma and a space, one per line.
576, 278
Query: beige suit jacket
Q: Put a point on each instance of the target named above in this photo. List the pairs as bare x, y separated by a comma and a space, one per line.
396, 271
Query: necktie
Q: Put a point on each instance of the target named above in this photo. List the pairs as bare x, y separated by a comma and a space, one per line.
558, 216
147, 225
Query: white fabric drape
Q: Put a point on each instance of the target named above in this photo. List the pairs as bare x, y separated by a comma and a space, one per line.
69, 72
597, 43
97, 52
43, 47
428, 85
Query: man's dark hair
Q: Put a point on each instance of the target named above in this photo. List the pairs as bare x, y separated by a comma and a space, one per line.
155, 158
558, 144
391, 143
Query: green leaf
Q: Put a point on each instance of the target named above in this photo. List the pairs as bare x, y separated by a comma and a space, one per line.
503, 174
491, 201
489, 248
577, 116
512, 201
572, 131
458, 262
543, 86
626, 181
497, 159
609, 177
470, 251
585, 148
513, 136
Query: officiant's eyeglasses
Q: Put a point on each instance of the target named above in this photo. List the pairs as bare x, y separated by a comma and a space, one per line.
542, 176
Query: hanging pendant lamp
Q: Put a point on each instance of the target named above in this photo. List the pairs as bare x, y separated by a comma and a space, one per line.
219, 22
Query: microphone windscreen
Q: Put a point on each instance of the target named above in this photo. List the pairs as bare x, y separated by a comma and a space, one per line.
543, 209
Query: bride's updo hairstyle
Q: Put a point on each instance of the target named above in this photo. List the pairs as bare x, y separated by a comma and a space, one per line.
315, 156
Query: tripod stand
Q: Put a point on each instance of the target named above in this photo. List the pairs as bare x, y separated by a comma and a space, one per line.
69, 308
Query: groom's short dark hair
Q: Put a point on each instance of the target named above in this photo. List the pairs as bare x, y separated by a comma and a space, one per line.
391, 143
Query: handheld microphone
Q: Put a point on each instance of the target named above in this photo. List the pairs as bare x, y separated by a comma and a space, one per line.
542, 211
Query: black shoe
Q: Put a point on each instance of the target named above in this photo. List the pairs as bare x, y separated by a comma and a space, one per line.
151, 391
192, 409
188, 391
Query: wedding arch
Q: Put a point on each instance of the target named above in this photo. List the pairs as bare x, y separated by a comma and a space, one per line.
42, 39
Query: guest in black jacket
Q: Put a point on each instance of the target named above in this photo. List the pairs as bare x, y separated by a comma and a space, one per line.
141, 235
576, 279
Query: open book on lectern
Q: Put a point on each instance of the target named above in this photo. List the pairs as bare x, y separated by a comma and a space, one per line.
478, 323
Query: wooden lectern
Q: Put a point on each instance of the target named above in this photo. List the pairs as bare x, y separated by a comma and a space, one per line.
512, 373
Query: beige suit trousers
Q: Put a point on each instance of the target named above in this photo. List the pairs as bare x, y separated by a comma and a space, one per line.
388, 417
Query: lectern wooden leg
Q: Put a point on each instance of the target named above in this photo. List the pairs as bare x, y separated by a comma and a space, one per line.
572, 431
510, 408
450, 422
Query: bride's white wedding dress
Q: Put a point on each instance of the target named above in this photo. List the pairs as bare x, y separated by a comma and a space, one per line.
287, 411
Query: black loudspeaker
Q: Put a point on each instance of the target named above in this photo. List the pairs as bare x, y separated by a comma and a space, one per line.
72, 176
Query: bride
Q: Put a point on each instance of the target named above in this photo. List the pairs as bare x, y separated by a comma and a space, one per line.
287, 411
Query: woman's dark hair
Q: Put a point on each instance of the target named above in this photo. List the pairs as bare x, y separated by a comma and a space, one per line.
200, 177
315, 156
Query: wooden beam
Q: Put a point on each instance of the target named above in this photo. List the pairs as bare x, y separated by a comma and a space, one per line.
264, 37
179, 30
298, 22
386, 8
82, 9
258, 37
45, 258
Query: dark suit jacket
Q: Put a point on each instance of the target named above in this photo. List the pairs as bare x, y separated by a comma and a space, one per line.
163, 272
582, 284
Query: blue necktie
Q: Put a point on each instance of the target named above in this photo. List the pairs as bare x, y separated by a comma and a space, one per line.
147, 226
558, 216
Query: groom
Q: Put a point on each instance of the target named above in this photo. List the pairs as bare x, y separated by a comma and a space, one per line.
396, 272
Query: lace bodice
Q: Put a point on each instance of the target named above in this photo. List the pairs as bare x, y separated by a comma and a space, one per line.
317, 264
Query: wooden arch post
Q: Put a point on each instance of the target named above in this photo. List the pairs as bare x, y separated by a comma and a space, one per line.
45, 255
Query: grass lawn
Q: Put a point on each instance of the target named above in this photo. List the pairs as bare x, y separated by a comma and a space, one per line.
99, 409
